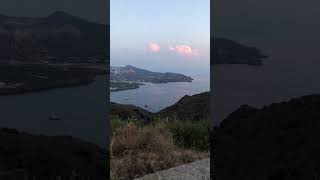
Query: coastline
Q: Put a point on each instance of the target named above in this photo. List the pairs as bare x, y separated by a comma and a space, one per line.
43, 77
52, 87
136, 85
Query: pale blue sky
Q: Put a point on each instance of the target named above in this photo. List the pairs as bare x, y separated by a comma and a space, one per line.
136, 23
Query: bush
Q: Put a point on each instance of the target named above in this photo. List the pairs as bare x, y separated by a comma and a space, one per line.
192, 135
116, 124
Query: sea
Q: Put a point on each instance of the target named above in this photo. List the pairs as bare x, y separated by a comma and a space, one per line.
292, 70
82, 112
157, 96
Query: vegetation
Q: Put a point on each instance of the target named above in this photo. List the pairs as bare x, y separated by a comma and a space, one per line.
139, 148
25, 156
194, 135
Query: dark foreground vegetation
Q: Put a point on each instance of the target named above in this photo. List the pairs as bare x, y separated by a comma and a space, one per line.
138, 149
37, 157
276, 142
144, 142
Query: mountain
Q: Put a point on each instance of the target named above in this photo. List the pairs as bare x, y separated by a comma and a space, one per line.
225, 51
49, 52
26, 156
194, 108
131, 73
276, 142
58, 37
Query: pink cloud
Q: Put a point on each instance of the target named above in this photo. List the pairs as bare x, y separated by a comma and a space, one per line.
184, 49
154, 47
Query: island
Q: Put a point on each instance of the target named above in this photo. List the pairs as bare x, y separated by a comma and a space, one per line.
59, 50
130, 77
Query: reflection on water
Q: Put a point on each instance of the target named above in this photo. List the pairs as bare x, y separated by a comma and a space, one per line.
155, 97
81, 110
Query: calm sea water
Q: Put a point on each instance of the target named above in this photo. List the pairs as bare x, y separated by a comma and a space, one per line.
291, 71
83, 112
154, 97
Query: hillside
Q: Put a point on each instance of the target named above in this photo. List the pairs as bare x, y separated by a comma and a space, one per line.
60, 50
192, 108
278, 141
58, 37
129, 111
131, 73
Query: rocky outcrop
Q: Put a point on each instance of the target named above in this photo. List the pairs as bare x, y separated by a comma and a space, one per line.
276, 142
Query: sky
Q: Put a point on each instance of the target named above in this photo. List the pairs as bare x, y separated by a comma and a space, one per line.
93, 10
252, 21
164, 36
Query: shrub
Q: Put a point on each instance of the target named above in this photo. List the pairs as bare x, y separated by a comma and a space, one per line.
194, 135
116, 124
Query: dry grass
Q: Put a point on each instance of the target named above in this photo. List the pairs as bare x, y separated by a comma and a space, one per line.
137, 151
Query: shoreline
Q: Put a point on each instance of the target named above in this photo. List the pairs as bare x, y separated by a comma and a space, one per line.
34, 78
41, 89
144, 83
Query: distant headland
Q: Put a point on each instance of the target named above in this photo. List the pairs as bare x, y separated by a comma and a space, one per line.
130, 77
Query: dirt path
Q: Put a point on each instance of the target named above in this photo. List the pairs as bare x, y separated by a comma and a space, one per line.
198, 170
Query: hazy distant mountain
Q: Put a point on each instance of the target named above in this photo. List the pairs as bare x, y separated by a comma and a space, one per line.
130, 73
58, 36
225, 51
